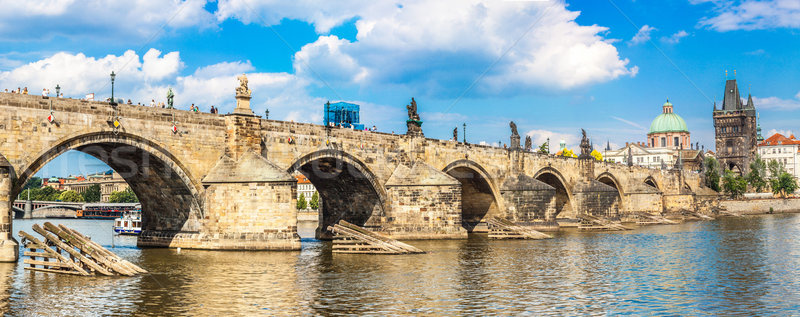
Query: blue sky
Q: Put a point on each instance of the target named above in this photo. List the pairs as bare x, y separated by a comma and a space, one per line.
551, 66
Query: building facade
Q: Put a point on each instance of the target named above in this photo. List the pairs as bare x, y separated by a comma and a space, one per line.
735, 126
109, 182
782, 149
669, 130
305, 188
668, 142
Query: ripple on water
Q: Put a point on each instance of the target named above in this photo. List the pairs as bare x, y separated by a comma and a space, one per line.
745, 266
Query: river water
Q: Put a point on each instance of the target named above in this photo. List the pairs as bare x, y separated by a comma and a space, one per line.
745, 266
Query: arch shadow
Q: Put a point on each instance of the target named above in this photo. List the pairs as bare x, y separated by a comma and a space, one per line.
479, 194
348, 189
554, 178
170, 195
651, 181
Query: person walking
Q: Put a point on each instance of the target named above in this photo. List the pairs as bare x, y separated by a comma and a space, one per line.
44, 92
152, 103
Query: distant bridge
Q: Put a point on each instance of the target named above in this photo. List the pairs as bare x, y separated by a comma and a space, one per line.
45, 209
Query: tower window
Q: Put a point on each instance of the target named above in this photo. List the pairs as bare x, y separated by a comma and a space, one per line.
675, 141
663, 142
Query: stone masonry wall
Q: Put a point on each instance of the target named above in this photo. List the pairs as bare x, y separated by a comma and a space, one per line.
425, 212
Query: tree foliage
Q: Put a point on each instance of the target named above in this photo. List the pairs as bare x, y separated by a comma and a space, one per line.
314, 204
784, 184
757, 175
568, 153
92, 194
712, 173
775, 169
70, 196
733, 184
301, 202
544, 148
597, 155
33, 182
125, 196
44, 194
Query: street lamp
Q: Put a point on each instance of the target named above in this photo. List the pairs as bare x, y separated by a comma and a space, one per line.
465, 133
267, 114
58, 90
112, 87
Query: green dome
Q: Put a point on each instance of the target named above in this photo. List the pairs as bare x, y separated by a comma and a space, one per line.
668, 121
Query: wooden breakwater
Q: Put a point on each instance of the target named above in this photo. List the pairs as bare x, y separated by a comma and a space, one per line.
503, 229
66, 251
349, 238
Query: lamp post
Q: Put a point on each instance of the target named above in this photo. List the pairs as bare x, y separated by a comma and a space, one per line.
58, 91
267, 114
112, 87
465, 133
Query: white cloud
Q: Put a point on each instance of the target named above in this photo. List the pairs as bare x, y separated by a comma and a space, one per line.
643, 35
785, 133
675, 38
120, 20
400, 43
777, 103
144, 78
753, 15
541, 136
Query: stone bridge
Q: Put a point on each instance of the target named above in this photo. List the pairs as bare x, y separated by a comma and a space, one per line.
225, 181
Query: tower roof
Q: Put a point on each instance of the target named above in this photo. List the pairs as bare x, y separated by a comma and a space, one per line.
668, 121
732, 100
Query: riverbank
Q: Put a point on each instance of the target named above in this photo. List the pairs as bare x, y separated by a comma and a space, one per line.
755, 206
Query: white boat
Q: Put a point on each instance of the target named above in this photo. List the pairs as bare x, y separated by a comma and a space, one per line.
129, 223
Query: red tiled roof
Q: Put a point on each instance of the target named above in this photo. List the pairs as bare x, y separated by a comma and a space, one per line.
301, 179
779, 139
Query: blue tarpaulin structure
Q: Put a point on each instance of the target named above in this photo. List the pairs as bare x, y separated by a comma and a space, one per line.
342, 114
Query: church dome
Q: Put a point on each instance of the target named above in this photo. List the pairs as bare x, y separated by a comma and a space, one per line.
668, 121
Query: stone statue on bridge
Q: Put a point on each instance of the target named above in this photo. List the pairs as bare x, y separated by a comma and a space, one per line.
586, 147
170, 98
455, 134
243, 90
414, 123
514, 136
528, 143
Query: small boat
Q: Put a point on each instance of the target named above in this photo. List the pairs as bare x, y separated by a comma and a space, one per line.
129, 223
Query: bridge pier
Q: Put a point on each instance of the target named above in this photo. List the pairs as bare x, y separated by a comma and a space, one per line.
28, 210
9, 247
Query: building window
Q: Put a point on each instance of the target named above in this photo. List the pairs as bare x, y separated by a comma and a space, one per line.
676, 140
663, 142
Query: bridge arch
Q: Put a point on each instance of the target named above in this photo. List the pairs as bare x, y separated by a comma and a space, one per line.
610, 180
651, 181
170, 196
349, 190
555, 179
479, 194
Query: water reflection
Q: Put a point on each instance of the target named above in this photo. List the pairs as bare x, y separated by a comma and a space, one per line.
746, 266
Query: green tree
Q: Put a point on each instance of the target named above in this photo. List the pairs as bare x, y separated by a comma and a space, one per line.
125, 196
758, 173
776, 168
712, 173
92, 194
784, 184
544, 148
301, 202
734, 185
314, 204
33, 182
70, 196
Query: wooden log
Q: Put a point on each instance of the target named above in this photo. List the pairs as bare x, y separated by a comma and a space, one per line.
47, 263
52, 253
86, 261
52, 270
33, 254
86, 239
94, 253
506, 229
371, 240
